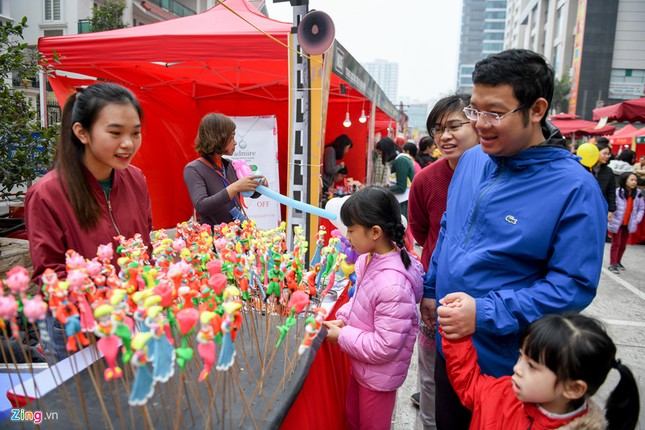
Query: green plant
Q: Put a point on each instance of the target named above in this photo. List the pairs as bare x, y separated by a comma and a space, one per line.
108, 16
560, 102
26, 148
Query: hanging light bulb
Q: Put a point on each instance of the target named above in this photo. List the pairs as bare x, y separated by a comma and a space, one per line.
347, 123
363, 118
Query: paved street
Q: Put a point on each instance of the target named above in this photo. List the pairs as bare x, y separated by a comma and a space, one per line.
620, 304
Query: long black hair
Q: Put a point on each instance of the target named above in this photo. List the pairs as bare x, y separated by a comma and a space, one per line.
388, 149
576, 347
623, 186
339, 144
372, 206
84, 107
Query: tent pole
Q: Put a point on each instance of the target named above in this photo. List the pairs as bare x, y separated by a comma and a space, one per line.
299, 165
371, 125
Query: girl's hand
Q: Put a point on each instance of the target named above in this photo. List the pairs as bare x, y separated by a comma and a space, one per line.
457, 315
333, 331
337, 323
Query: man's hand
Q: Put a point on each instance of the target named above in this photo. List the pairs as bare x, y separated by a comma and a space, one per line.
428, 310
333, 331
457, 315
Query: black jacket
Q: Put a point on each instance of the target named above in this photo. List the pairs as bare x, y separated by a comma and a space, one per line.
605, 177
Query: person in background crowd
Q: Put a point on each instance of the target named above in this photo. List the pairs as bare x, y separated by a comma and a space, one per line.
623, 163
401, 170
378, 326
639, 167
450, 128
410, 149
380, 171
552, 385
212, 183
605, 177
523, 231
629, 213
334, 152
92, 194
426, 148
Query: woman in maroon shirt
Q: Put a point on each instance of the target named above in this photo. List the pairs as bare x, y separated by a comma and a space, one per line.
92, 194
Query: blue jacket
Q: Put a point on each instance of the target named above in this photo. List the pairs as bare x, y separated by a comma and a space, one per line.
524, 236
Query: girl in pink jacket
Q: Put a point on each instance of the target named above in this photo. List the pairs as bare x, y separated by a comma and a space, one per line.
377, 328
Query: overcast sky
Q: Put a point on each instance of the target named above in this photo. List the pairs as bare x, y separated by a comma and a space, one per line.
422, 36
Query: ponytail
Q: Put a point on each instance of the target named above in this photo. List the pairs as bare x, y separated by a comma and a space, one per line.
68, 162
623, 405
398, 237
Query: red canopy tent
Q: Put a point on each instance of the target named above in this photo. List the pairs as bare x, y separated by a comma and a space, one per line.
570, 126
628, 136
627, 111
184, 68
623, 132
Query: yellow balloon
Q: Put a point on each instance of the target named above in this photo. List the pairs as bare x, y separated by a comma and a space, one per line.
347, 269
589, 154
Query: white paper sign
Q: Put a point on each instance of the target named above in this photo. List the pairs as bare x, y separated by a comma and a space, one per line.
257, 144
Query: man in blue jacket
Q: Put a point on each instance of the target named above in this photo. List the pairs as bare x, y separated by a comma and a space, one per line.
523, 232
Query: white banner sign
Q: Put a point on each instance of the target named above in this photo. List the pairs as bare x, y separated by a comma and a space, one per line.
257, 144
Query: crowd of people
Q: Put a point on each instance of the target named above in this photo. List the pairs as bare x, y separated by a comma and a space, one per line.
501, 343
499, 285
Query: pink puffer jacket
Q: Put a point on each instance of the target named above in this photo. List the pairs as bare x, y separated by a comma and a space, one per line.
381, 320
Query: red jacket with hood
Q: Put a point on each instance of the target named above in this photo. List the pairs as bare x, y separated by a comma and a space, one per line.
493, 402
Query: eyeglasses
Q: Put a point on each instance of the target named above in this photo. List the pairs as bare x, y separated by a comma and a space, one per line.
489, 117
451, 127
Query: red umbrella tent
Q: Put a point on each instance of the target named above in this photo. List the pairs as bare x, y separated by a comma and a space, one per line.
570, 126
184, 68
627, 111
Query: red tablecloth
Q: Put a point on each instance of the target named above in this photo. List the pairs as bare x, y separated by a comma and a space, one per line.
321, 402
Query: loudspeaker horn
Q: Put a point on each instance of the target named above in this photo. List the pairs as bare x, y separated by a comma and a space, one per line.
316, 32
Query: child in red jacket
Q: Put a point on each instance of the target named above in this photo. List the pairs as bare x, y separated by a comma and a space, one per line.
563, 361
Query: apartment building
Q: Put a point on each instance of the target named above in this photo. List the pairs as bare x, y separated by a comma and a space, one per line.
600, 44
482, 33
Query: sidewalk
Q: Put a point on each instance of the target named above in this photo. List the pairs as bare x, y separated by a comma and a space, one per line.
619, 303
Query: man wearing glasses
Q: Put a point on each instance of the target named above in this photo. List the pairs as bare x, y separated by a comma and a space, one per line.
523, 232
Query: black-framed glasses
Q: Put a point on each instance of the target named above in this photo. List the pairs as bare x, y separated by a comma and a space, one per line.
451, 127
489, 117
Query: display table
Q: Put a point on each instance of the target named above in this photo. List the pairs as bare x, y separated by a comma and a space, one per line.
321, 402
306, 392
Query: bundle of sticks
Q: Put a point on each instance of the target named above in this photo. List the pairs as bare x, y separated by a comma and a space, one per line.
214, 329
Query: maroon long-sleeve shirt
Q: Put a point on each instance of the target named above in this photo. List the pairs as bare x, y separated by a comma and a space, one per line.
426, 205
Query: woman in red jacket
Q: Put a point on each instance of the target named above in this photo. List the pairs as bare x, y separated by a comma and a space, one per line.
564, 359
92, 194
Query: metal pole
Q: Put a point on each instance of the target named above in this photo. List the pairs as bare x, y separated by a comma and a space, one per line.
42, 94
300, 141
